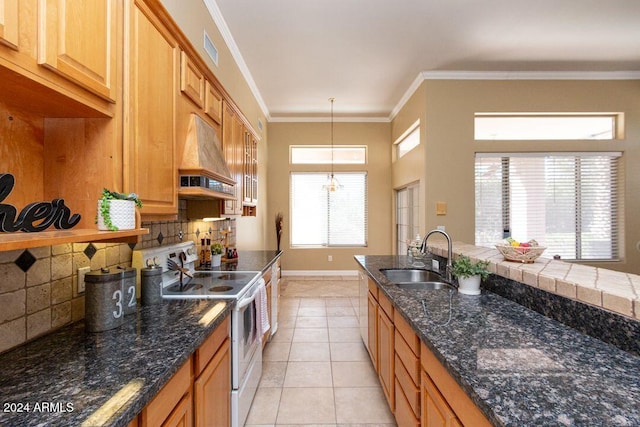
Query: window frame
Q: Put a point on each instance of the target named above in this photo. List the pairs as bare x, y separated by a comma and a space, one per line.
615, 212
327, 240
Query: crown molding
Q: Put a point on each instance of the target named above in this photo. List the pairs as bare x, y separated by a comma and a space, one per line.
218, 19
509, 75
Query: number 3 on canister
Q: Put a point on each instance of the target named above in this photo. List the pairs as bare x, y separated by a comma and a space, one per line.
117, 296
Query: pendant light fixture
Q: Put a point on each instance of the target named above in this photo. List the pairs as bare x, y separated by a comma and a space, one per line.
332, 184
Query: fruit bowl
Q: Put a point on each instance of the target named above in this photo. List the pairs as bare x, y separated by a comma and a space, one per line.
524, 254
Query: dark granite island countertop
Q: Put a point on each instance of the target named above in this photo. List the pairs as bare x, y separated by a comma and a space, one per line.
63, 378
519, 367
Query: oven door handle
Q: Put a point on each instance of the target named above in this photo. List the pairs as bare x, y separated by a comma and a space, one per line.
245, 302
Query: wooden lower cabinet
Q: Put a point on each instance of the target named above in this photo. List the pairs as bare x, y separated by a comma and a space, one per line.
170, 399
386, 354
212, 390
435, 410
443, 401
405, 417
182, 414
199, 394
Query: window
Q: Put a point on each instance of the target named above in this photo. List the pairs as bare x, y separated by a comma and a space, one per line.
321, 155
328, 218
545, 126
407, 216
409, 140
568, 202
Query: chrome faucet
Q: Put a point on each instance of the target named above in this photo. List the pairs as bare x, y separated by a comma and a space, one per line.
449, 267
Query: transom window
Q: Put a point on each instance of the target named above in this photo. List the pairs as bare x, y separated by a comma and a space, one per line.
567, 202
492, 126
409, 140
321, 154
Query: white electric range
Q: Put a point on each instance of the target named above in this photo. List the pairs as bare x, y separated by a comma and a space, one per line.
240, 286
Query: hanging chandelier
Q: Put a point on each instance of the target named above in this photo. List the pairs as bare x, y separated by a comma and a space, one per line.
332, 183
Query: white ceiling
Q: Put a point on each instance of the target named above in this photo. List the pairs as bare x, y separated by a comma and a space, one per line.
368, 53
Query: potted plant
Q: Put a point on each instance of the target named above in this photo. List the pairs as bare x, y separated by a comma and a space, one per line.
117, 211
216, 254
469, 274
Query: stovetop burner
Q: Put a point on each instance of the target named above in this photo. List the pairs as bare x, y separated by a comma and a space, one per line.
213, 285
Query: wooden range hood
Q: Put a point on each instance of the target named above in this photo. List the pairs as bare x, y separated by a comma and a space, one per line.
204, 174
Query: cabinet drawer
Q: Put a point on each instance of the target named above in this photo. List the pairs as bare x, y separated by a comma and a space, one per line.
404, 414
386, 305
407, 333
373, 288
409, 360
409, 387
205, 352
159, 409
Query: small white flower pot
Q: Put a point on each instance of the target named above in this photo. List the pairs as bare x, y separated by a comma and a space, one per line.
216, 259
469, 285
122, 214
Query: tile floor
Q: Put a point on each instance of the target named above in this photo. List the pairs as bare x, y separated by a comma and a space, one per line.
316, 370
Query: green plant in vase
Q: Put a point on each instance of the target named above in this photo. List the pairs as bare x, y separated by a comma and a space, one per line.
469, 274
105, 206
216, 248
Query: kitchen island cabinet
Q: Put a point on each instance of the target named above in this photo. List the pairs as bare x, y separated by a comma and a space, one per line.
486, 360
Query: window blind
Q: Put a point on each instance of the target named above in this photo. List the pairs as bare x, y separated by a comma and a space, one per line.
324, 218
567, 202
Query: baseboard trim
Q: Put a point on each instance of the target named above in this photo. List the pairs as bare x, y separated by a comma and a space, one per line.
319, 272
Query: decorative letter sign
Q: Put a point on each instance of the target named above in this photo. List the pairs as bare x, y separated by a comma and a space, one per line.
36, 216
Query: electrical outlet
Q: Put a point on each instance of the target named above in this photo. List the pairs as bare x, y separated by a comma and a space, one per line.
81, 272
330, 258
435, 265
441, 228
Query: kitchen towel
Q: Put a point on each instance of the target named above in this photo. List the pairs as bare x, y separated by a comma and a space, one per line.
262, 314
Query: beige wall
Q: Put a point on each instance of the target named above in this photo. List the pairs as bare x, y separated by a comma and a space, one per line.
449, 145
193, 18
376, 137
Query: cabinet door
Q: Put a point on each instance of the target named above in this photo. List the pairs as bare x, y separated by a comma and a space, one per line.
232, 147
435, 410
191, 80
182, 415
212, 102
386, 356
78, 39
213, 390
372, 336
9, 23
153, 87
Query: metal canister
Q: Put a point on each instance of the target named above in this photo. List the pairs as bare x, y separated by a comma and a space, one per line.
151, 285
104, 301
129, 290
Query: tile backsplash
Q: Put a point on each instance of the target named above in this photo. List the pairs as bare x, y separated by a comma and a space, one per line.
38, 286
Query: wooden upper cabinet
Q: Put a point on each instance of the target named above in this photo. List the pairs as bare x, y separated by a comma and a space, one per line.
150, 140
233, 149
78, 40
212, 102
191, 80
9, 23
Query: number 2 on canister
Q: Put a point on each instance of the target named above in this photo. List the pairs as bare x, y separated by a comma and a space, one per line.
117, 295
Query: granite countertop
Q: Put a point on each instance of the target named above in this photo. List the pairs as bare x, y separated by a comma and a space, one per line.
61, 379
64, 377
520, 367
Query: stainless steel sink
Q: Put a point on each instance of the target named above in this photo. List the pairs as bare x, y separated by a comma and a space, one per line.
424, 286
415, 279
